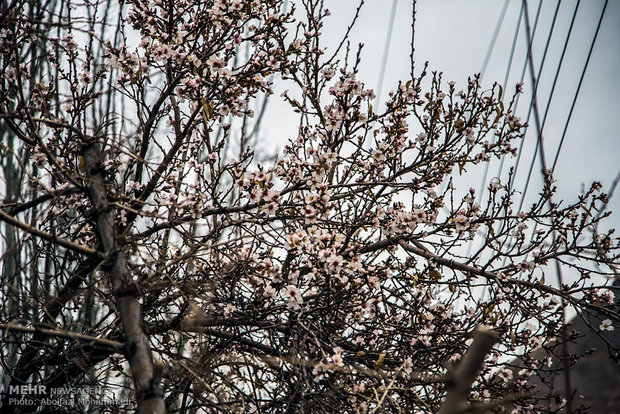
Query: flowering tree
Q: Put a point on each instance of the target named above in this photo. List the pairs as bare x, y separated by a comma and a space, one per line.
146, 246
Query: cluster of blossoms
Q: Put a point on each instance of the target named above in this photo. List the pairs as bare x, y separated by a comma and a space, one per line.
314, 283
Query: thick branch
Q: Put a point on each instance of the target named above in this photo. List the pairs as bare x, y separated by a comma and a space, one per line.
148, 392
465, 375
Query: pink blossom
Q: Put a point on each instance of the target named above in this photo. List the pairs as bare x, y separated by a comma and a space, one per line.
293, 296
461, 222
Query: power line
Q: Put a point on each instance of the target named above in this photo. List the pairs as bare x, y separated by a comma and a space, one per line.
533, 35
559, 67
498, 27
583, 72
386, 49
557, 73
534, 103
513, 47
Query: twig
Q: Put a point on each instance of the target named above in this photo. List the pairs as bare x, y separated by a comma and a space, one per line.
47, 236
109, 343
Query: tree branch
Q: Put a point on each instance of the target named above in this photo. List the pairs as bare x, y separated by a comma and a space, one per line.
50, 237
148, 391
78, 337
466, 374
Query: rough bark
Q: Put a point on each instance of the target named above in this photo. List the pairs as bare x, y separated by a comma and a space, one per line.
137, 349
